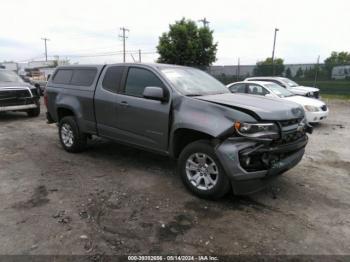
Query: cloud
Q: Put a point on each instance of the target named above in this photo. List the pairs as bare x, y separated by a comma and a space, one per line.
242, 28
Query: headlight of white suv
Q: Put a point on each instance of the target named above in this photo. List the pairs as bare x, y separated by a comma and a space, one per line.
310, 108
257, 130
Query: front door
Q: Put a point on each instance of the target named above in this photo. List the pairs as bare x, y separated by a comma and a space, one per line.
142, 121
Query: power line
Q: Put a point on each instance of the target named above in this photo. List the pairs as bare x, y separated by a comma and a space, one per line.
123, 36
45, 40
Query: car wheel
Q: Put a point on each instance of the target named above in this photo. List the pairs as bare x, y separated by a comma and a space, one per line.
202, 172
34, 112
71, 138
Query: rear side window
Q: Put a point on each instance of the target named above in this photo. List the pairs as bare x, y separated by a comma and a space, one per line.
83, 77
256, 90
238, 88
138, 79
63, 76
112, 78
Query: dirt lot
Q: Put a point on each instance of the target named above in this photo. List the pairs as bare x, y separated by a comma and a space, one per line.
113, 199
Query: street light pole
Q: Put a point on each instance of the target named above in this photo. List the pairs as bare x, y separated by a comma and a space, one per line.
273, 52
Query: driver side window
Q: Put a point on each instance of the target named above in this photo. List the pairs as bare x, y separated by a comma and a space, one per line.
138, 79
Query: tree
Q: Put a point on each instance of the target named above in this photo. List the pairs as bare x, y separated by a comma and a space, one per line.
187, 44
299, 74
288, 73
341, 58
264, 68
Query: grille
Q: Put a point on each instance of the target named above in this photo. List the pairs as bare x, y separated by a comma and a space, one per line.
324, 108
15, 97
291, 137
289, 131
14, 94
290, 122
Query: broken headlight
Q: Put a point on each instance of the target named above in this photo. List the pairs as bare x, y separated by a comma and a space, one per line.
257, 130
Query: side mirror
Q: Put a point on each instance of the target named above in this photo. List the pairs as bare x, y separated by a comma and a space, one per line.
154, 93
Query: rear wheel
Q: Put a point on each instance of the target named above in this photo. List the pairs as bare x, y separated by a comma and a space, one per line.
201, 171
71, 138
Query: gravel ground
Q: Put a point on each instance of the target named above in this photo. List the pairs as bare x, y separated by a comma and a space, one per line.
113, 199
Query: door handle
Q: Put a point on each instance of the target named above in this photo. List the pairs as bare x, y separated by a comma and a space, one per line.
124, 103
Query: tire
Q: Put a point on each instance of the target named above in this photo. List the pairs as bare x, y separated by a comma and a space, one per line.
71, 138
35, 112
211, 180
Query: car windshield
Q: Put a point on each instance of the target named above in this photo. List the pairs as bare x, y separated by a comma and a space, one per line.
9, 76
278, 90
289, 82
193, 82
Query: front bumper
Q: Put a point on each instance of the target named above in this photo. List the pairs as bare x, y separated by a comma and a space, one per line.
315, 117
17, 108
277, 160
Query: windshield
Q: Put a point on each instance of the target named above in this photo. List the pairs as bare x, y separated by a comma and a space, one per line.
278, 90
9, 76
289, 82
193, 82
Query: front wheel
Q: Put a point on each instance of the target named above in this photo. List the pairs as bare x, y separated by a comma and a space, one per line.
71, 138
202, 172
34, 112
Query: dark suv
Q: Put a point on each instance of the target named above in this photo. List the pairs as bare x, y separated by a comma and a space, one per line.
221, 140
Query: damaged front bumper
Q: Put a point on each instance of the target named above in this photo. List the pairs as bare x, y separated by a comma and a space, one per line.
250, 165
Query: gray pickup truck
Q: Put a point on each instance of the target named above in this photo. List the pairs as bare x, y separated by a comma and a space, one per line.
222, 141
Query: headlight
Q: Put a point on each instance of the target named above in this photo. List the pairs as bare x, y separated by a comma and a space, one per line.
257, 130
310, 94
310, 108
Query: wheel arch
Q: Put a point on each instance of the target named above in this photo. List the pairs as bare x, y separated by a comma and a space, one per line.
181, 137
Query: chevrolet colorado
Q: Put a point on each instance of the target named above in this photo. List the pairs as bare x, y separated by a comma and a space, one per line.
222, 141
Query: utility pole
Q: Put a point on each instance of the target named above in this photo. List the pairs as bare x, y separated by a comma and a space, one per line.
238, 68
45, 40
273, 52
316, 70
139, 55
204, 21
123, 36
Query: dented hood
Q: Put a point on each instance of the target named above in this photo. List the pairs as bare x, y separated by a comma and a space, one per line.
265, 108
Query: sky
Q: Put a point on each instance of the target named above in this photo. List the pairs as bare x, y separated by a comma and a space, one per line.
87, 31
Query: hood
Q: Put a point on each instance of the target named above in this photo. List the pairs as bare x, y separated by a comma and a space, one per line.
302, 100
305, 89
266, 108
15, 85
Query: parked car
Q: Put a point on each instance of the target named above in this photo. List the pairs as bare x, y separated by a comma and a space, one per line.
315, 110
290, 85
219, 139
16, 95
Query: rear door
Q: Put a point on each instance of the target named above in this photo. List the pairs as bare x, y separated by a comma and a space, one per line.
143, 122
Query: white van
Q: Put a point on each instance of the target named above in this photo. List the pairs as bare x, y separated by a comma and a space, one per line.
341, 72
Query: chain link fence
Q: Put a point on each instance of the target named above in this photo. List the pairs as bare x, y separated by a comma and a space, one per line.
330, 79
